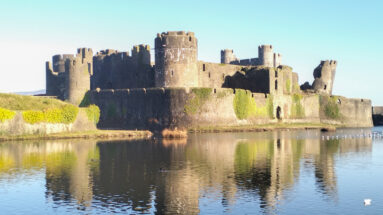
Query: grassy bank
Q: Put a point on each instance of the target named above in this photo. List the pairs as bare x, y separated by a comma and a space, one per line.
98, 134
20, 102
259, 128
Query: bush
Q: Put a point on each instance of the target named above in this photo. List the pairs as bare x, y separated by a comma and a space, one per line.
33, 116
67, 114
93, 113
6, 114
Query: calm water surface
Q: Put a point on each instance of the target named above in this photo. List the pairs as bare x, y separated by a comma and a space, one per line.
283, 172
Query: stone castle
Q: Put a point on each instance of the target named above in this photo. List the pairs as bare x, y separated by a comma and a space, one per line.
179, 91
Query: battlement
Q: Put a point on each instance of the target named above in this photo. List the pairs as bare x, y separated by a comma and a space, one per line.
63, 57
176, 33
176, 39
331, 63
140, 48
265, 47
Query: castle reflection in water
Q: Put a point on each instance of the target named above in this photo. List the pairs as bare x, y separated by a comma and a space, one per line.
175, 176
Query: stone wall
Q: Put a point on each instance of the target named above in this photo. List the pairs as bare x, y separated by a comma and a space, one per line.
17, 126
348, 112
158, 108
214, 75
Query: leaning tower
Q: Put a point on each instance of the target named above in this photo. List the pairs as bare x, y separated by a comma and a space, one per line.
176, 59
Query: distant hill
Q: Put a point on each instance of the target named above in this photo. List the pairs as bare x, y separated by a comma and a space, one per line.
31, 93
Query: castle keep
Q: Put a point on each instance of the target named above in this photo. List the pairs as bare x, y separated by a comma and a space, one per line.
179, 91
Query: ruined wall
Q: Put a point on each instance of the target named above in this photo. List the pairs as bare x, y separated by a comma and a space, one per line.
118, 70
324, 76
176, 59
55, 76
213, 74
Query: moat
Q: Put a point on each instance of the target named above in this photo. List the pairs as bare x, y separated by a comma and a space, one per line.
279, 172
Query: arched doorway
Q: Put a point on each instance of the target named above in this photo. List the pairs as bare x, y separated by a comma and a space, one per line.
279, 114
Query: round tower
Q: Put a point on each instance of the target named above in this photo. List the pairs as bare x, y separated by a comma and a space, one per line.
176, 59
265, 55
79, 71
227, 56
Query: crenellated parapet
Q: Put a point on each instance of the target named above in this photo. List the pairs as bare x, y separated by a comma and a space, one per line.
141, 54
176, 54
114, 69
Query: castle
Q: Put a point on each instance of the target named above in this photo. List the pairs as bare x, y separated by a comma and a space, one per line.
179, 91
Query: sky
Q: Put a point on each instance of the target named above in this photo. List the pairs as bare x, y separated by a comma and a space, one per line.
303, 31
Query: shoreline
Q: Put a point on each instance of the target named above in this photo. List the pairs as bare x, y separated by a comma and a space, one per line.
263, 128
146, 134
98, 134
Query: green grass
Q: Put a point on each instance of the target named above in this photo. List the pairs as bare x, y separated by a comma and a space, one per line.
18, 102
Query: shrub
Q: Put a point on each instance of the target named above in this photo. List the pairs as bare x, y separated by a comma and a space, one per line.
67, 114
33, 116
6, 114
93, 113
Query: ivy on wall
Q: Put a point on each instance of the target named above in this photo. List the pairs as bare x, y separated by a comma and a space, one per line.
297, 110
194, 104
245, 106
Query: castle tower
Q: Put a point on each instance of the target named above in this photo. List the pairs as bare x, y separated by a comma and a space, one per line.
324, 76
228, 56
277, 59
176, 59
265, 55
78, 73
141, 54
55, 75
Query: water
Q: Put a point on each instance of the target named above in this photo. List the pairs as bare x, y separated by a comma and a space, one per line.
283, 172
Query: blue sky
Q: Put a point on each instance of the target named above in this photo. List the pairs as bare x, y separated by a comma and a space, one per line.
303, 31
